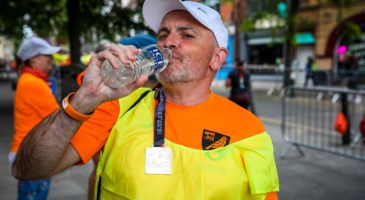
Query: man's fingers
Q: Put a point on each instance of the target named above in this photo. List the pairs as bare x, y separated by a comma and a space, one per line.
107, 55
126, 54
95, 60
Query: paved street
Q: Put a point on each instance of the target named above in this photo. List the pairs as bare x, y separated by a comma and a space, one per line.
317, 176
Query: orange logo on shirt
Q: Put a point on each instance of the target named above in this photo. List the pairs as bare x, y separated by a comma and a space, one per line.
218, 144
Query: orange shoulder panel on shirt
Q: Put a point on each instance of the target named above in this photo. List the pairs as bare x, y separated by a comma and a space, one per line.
244, 123
188, 125
93, 133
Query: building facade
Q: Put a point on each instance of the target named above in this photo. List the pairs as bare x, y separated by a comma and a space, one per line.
321, 33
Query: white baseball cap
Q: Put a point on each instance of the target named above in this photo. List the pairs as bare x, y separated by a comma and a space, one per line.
155, 10
35, 46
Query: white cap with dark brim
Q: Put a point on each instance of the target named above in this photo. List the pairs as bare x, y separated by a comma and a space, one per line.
155, 10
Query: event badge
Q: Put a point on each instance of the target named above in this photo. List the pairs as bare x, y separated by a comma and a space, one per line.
158, 160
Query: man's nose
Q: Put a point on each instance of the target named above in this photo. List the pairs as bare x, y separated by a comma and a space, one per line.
171, 41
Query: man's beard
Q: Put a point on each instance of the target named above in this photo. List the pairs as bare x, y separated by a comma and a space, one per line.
183, 69
180, 75
177, 76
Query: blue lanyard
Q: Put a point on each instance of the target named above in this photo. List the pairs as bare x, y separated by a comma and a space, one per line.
159, 128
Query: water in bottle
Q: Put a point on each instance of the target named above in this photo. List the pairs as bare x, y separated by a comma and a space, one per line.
150, 60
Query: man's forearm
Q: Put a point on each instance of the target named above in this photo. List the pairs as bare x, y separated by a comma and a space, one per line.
43, 151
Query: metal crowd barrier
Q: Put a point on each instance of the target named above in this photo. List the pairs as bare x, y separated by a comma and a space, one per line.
275, 75
354, 79
267, 75
309, 115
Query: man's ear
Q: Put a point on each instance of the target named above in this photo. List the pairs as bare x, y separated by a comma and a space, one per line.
218, 58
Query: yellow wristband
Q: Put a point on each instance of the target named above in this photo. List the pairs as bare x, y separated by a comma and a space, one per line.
71, 112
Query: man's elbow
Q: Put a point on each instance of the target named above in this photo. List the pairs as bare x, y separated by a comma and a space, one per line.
24, 173
17, 172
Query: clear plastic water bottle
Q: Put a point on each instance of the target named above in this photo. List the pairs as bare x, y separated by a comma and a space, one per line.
150, 60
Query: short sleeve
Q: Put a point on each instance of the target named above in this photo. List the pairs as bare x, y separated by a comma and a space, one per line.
94, 132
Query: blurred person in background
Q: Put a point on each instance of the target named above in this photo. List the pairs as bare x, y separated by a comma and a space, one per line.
33, 101
240, 83
309, 72
352, 74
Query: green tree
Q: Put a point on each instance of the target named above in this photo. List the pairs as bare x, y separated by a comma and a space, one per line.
44, 17
69, 20
277, 11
